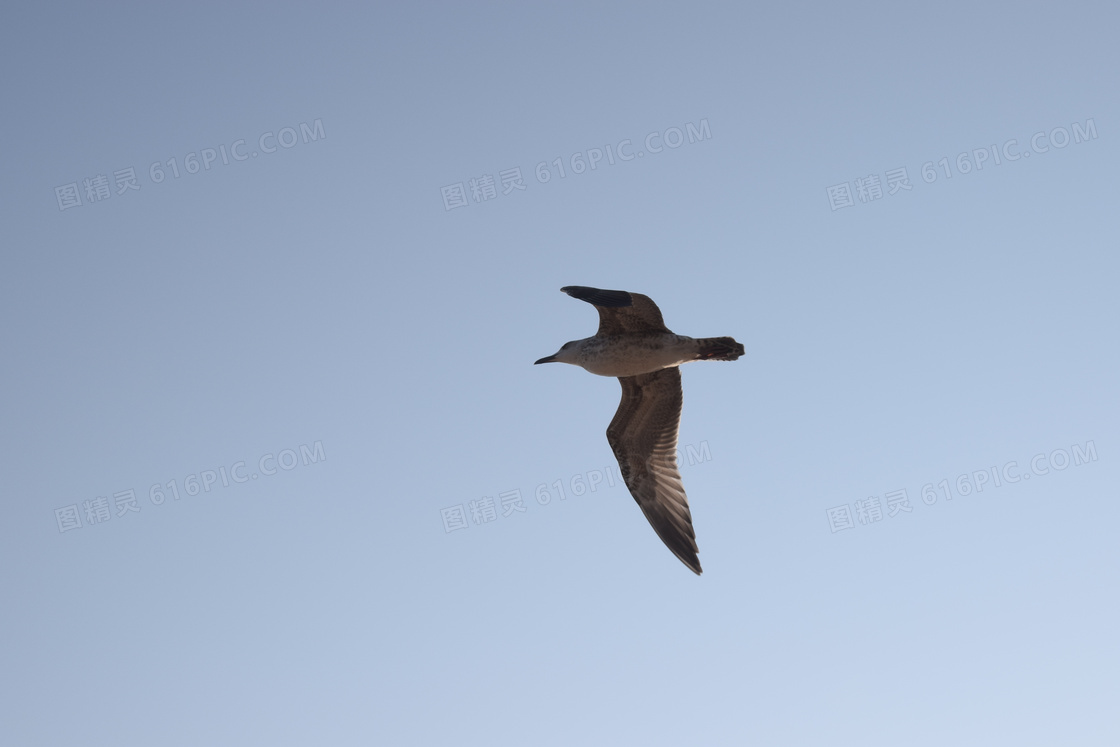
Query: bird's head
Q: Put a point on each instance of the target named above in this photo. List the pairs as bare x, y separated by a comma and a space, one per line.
566, 354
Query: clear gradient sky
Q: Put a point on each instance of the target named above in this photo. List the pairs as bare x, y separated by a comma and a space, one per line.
280, 471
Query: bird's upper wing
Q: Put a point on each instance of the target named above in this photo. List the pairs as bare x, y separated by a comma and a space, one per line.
643, 435
620, 311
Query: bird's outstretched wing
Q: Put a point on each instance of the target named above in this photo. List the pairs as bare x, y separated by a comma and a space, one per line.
643, 435
620, 312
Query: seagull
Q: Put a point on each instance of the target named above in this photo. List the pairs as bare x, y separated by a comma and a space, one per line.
634, 344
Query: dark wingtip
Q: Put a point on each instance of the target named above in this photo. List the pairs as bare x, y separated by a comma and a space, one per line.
612, 299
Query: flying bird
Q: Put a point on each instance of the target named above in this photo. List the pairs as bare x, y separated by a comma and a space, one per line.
634, 344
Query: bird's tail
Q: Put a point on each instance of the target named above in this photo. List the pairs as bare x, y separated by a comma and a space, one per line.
718, 349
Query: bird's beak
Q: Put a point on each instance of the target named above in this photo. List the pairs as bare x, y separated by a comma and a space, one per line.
546, 359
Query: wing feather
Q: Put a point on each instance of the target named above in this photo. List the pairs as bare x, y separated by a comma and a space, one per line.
643, 435
620, 312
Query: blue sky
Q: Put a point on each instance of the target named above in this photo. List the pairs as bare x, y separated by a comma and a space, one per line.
240, 403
